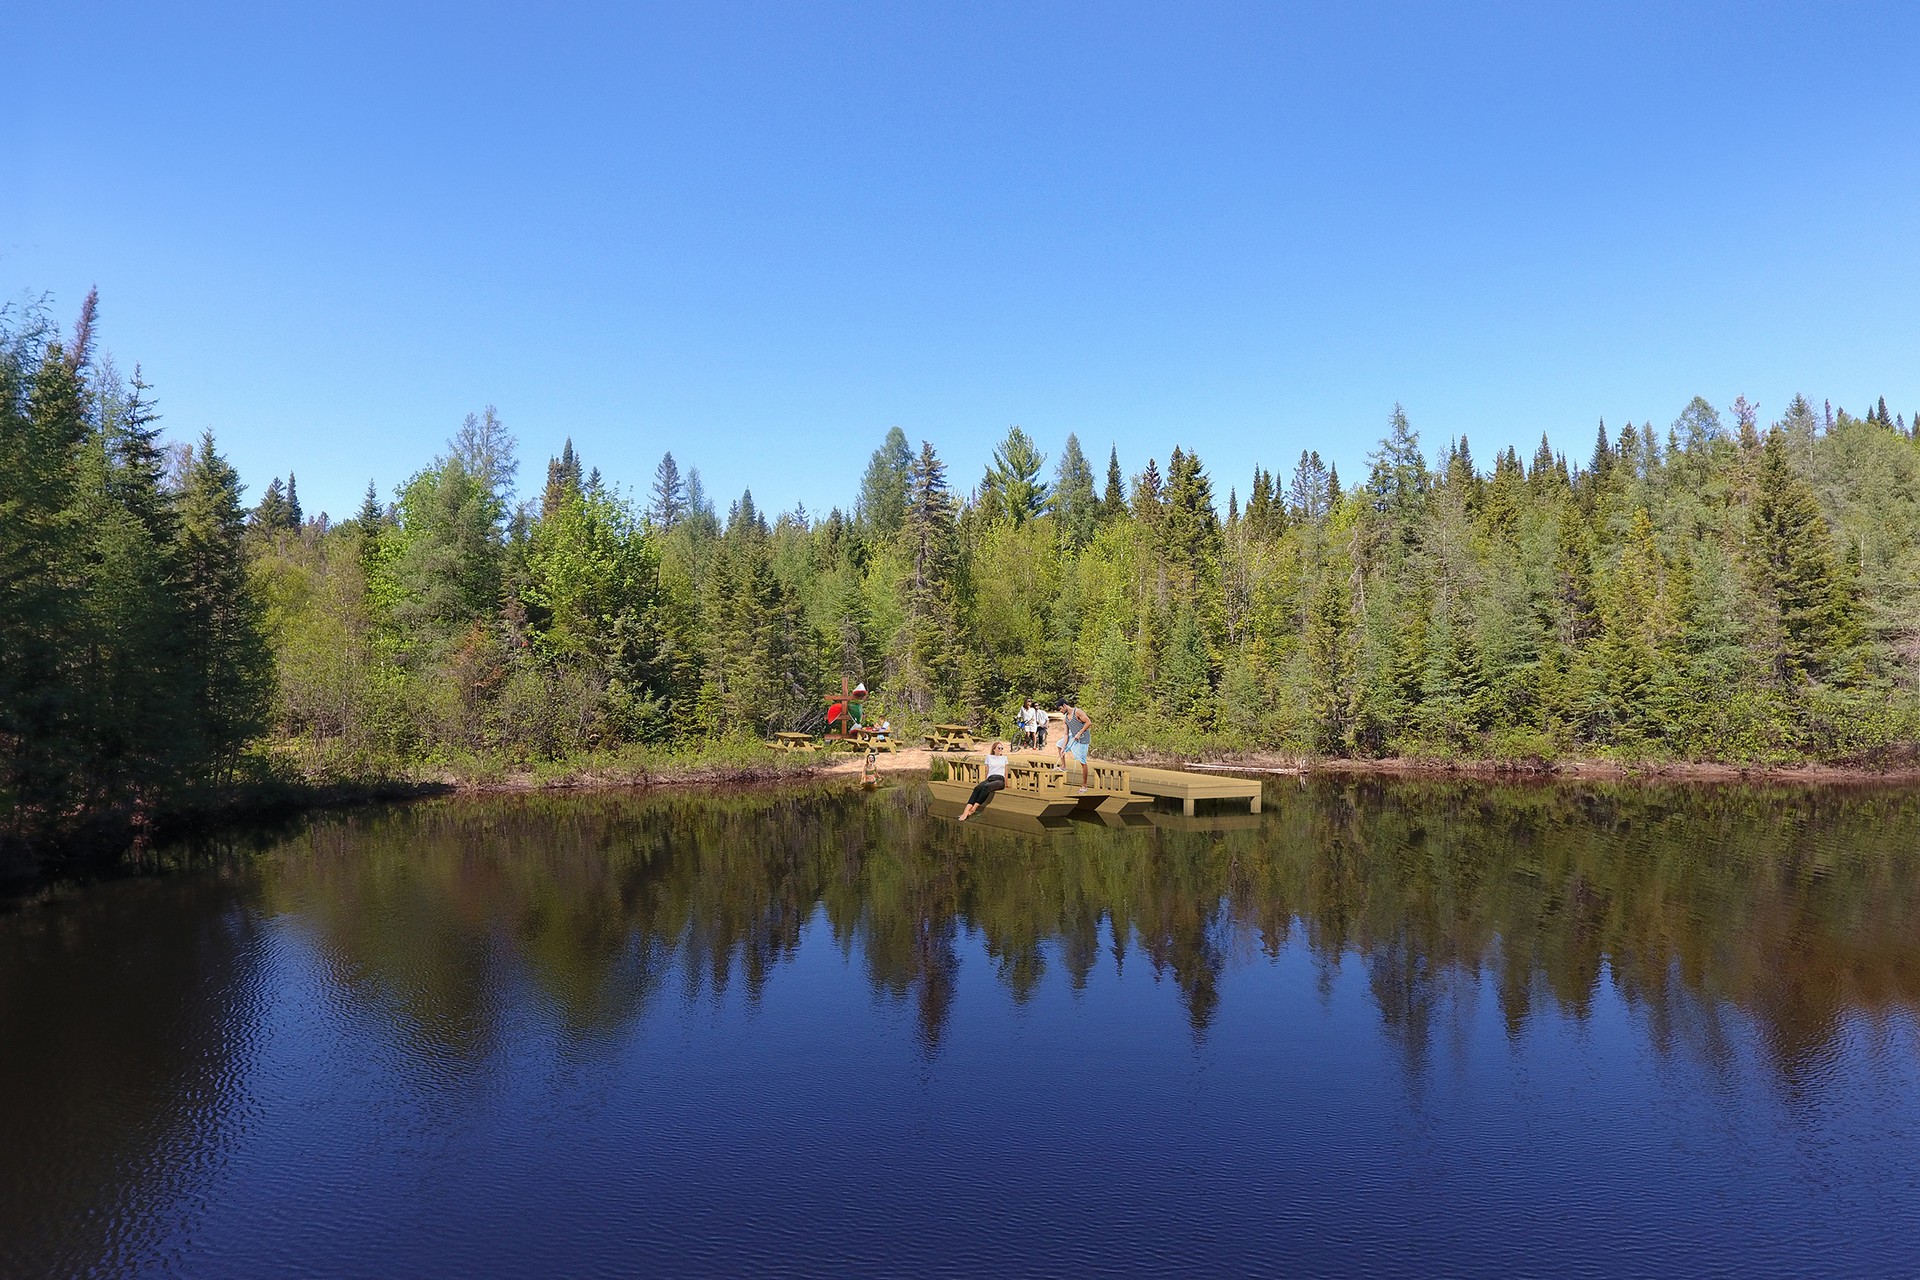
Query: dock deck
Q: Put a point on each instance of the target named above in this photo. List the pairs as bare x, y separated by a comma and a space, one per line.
1176, 784
1116, 787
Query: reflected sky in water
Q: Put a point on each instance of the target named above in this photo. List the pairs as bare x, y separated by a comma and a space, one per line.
1401, 1029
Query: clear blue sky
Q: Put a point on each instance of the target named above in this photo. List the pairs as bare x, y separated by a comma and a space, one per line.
759, 235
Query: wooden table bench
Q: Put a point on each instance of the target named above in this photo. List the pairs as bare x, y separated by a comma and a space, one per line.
950, 737
791, 742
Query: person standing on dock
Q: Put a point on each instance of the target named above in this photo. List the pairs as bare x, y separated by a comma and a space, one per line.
1076, 739
996, 778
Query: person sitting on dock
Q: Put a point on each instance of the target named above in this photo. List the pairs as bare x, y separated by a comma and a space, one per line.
1076, 738
996, 779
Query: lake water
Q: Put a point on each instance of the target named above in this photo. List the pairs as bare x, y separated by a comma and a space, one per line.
1390, 1028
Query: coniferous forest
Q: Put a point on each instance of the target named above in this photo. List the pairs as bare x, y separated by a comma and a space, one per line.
1725, 587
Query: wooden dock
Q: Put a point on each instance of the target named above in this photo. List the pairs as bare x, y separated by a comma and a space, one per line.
1177, 784
1112, 787
999, 819
1030, 790
1142, 784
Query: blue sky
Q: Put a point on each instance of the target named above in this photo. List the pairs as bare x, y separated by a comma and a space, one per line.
760, 235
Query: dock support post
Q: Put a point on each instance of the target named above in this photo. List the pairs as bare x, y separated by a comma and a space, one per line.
1256, 803
1186, 806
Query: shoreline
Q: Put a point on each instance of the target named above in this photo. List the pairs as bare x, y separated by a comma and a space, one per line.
916, 760
106, 838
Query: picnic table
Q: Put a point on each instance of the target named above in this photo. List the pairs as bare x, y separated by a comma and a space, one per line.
950, 737
870, 737
791, 742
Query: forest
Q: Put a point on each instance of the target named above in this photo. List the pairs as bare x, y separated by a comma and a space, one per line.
1725, 588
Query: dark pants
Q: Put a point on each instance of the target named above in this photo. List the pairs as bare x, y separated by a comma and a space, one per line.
986, 788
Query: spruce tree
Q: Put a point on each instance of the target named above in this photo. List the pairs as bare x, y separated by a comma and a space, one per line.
564, 479
232, 666
883, 490
929, 638
1791, 554
1075, 504
1308, 494
371, 514
270, 516
1113, 502
1329, 661
42, 424
669, 504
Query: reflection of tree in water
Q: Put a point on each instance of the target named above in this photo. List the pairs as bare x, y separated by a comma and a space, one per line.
1793, 907
127, 1018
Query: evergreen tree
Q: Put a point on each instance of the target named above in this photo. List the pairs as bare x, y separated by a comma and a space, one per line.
1794, 567
929, 637
1308, 494
233, 668
42, 424
1011, 489
1329, 661
295, 516
271, 515
1075, 504
371, 514
669, 494
1113, 502
564, 480
883, 490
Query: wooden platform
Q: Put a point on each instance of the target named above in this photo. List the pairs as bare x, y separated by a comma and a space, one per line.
1177, 784
1038, 793
1110, 786
997, 819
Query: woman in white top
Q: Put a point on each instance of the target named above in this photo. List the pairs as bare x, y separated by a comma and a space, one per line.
996, 778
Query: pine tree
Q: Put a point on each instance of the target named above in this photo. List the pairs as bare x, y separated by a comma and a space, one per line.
295, 516
233, 668
1309, 494
1794, 567
1146, 493
1398, 481
270, 516
1113, 503
1012, 490
1189, 532
669, 504
883, 490
929, 637
563, 480
42, 424
1329, 661
1185, 684
1074, 503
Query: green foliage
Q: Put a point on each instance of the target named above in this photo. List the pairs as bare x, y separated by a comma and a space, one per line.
1012, 489
134, 665
1729, 594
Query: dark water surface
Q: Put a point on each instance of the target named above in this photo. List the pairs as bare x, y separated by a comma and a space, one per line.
1394, 1029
